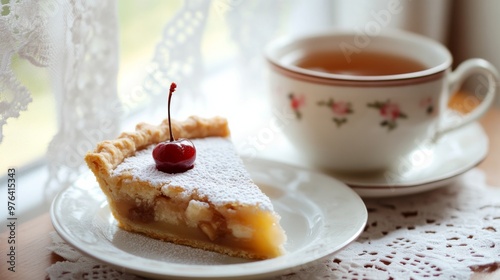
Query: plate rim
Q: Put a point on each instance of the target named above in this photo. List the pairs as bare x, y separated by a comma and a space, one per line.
278, 265
443, 179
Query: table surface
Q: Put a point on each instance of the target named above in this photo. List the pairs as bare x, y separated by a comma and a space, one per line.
33, 257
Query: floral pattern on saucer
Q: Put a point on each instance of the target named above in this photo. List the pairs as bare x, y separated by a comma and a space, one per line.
296, 103
340, 110
390, 112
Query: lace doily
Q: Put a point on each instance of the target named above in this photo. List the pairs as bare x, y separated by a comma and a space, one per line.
444, 234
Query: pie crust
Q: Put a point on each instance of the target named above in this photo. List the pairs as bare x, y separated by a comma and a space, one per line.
214, 206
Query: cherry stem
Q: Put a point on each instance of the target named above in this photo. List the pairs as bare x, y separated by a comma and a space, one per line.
172, 89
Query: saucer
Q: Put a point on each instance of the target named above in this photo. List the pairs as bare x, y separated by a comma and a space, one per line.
428, 166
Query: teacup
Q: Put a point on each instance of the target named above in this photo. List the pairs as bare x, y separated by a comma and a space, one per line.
353, 111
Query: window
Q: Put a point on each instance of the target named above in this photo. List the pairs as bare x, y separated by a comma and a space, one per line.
26, 138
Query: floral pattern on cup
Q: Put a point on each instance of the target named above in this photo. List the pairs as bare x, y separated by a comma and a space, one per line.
428, 105
390, 113
297, 102
340, 110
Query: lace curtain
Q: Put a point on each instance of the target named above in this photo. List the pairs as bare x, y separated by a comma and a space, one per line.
28, 39
84, 79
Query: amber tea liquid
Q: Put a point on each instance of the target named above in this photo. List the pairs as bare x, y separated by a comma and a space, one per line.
361, 64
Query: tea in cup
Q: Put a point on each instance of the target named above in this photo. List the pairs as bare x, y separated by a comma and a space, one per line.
362, 107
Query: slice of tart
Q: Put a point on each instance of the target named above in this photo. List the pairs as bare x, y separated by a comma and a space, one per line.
213, 206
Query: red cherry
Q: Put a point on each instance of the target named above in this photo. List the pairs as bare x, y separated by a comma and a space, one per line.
174, 156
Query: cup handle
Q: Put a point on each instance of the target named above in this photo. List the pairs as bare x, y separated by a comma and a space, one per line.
457, 78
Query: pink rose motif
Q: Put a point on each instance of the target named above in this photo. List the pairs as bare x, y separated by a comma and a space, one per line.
340, 110
296, 102
390, 112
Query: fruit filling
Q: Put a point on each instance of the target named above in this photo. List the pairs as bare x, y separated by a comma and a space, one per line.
200, 221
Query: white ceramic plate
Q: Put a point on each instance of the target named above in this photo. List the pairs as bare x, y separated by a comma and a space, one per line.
429, 166
320, 215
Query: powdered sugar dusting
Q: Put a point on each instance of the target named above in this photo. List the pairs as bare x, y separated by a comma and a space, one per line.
218, 174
